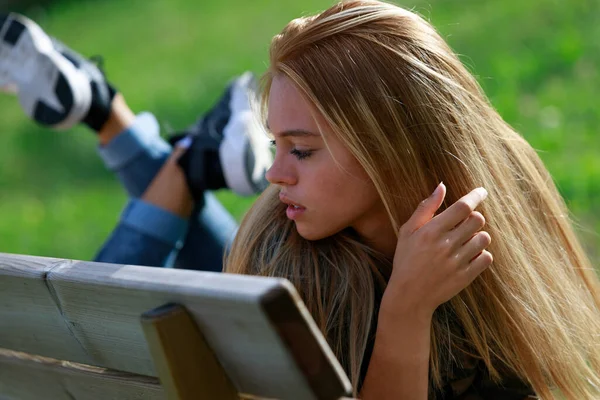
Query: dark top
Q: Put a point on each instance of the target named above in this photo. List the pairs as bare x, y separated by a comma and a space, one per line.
470, 381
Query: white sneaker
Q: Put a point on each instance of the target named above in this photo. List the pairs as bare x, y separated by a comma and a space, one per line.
245, 152
231, 130
51, 90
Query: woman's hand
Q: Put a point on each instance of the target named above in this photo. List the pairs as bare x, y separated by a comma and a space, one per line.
437, 257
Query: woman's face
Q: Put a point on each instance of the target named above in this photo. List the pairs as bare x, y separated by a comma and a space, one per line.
326, 188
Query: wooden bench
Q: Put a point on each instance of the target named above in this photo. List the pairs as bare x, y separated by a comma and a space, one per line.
83, 330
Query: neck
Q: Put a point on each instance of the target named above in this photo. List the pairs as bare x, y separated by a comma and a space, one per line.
376, 230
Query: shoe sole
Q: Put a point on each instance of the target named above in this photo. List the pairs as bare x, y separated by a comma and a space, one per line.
51, 90
245, 152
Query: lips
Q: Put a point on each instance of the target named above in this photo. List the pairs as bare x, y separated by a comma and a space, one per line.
294, 209
290, 202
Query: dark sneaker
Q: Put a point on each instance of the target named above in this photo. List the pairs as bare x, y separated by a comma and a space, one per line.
228, 147
56, 86
102, 91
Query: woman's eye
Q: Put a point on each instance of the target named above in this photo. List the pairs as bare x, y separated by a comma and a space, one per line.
301, 154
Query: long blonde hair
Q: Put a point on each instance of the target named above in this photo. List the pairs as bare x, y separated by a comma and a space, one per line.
401, 101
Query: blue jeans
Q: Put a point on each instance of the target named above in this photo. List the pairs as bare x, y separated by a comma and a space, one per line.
149, 235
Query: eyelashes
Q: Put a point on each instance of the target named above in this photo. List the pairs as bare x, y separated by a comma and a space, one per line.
299, 154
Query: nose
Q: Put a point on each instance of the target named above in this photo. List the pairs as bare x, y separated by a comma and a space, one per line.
281, 173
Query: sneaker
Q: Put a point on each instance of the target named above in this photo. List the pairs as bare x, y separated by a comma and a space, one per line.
228, 146
56, 86
102, 91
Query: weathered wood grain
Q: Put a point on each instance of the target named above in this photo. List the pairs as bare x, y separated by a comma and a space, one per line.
30, 319
27, 377
176, 345
95, 309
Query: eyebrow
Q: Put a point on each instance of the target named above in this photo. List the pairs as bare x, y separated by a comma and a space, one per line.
297, 133
294, 133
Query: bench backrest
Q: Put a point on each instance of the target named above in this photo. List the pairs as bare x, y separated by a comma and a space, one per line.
89, 313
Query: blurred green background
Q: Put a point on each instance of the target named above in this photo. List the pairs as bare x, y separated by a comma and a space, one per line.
538, 61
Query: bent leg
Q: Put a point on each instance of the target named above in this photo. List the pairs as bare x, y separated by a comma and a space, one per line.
211, 231
152, 228
150, 235
145, 235
132, 148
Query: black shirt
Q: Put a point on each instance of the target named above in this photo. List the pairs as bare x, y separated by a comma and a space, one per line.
470, 380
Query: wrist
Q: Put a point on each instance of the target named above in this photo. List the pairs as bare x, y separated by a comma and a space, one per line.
399, 364
404, 336
396, 310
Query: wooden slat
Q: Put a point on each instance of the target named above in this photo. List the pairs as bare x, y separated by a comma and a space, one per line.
299, 339
27, 377
101, 305
30, 319
187, 367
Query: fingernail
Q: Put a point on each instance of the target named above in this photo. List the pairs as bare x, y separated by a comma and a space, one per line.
437, 189
184, 143
482, 193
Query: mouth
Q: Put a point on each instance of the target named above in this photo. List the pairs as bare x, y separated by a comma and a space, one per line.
294, 210
286, 200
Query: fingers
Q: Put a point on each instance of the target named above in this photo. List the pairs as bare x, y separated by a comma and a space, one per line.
470, 250
465, 231
478, 265
426, 209
460, 210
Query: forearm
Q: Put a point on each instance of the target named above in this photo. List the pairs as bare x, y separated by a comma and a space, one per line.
399, 365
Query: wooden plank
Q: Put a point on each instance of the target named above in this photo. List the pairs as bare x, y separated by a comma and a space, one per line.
27, 377
30, 319
226, 309
187, 367
102, 303
313, 357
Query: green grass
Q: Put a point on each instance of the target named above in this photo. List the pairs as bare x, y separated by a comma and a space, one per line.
537, 60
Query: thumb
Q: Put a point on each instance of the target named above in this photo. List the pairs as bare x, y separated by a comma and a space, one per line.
427, 208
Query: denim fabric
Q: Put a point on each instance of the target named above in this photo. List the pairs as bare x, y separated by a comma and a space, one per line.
145, 235
211, 231
149, 235
136, 154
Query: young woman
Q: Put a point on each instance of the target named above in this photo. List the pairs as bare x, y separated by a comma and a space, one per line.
369, 110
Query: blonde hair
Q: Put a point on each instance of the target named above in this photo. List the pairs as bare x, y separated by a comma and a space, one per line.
401, 101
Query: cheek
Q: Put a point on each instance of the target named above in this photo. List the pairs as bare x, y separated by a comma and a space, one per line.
337, 200
329, 189
345, 189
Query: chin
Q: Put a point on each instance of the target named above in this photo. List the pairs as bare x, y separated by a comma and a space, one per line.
310, 233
